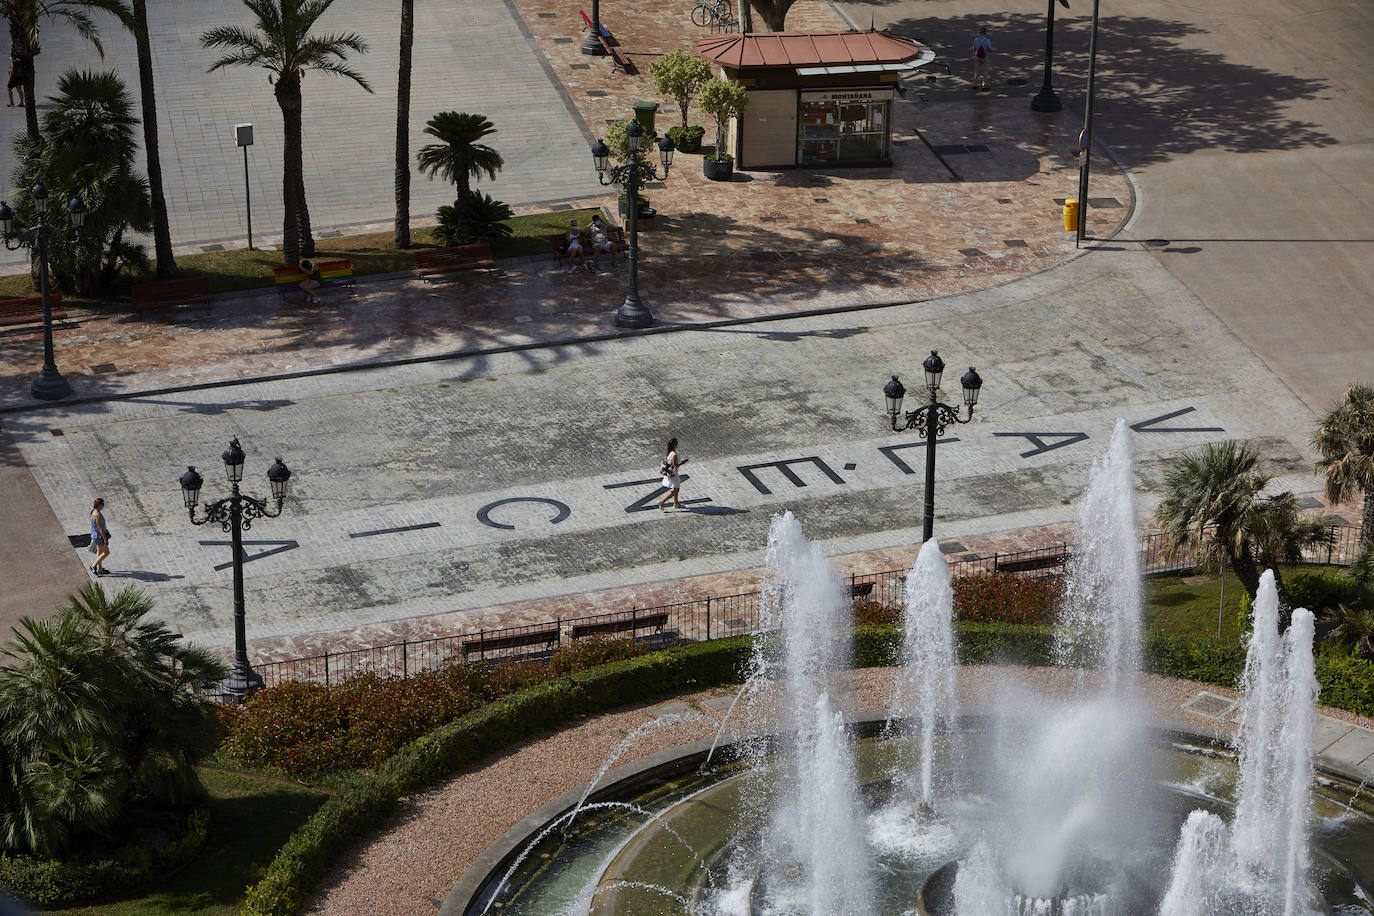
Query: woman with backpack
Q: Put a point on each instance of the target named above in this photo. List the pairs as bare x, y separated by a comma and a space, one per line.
672, 480
982, 50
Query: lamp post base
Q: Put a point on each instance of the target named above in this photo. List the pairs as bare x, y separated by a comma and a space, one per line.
632, 314
50, 385
1046, 100
240, 683
592, 45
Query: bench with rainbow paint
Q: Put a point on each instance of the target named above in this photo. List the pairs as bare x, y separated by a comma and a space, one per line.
338, 272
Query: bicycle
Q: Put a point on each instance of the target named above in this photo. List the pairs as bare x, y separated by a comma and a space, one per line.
709, 12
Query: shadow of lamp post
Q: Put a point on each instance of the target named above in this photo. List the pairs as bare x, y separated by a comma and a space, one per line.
235, 514
1045, 99
50, 385
930, 420
633, 313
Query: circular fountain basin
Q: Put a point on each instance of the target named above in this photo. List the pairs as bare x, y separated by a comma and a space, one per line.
686, 844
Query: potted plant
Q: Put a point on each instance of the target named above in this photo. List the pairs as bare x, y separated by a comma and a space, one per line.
680, 76
722, 100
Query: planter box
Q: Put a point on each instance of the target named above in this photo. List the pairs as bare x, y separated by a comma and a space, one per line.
717, 171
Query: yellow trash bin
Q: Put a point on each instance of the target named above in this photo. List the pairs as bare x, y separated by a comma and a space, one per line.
1071, 215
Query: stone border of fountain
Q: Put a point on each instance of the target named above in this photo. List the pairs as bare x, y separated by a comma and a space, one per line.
674, 761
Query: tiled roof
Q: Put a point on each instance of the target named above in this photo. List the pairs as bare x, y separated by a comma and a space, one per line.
774, 50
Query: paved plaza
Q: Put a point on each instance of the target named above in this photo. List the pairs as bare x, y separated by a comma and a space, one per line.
482, 452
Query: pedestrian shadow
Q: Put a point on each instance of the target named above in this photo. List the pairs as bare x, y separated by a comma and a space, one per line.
715, 510
139, 575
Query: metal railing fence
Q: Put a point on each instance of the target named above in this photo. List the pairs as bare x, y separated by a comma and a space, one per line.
717, 617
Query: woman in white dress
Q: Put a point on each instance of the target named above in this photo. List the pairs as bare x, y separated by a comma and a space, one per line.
672, 479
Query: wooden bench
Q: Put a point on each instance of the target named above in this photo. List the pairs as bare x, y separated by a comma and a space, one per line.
172, 293
483, 643
437, 261
29, 310
1029, 565
860, 589
338, 272
630, 624
558, 244
609, 45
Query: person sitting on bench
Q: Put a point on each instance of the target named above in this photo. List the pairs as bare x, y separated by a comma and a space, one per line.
310, 283
576, 256
601, 242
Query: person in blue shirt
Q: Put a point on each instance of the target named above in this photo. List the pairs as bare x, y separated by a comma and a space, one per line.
982, 51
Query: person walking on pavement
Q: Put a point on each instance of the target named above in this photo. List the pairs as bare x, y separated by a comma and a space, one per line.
982, 50
100, 537
16, 81
672, 480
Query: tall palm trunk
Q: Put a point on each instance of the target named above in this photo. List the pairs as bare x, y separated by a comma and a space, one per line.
303, 217
24, 53
162, 235
1367, 519
1246, 570
402, 234
288, 92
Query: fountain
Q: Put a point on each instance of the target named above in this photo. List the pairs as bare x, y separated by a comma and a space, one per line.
1064, 801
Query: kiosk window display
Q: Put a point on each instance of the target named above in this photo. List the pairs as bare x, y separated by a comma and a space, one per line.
849, 126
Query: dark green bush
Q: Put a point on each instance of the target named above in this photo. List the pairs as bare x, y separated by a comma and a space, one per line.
1320, 590
687, 139
360, 809
1213, 661
589, 653
51, 883
476, 217
868, 612
1347, 683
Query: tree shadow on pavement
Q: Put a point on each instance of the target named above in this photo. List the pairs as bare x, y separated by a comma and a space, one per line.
1157, 98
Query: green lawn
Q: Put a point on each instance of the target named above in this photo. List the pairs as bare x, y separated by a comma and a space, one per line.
251, 816
241, 269
1187, 605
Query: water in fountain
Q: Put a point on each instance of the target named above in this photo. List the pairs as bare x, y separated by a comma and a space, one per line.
815, 809
925, 689
1069, 770
1260, 864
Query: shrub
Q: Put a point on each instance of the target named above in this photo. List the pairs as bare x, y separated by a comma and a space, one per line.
1007, 598
687, 139
870, 612
588, 653
52, 883
1320, 590
474, 217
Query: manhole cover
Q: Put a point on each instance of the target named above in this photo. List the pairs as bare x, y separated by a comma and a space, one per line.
1209, 704
1016, 81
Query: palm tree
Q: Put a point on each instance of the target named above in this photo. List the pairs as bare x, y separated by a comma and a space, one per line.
458, 156
137, 22
401, 237
24, 16
88, 149
280, 42
1345, 441
1213, 506
98, 707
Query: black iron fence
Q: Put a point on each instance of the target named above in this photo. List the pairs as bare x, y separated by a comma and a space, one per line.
717, 617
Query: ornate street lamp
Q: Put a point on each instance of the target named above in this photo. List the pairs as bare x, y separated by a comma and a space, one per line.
1045, 99
235, 514
930, 420
632, 312
50, 385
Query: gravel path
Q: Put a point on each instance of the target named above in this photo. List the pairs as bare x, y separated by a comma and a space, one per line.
435, 836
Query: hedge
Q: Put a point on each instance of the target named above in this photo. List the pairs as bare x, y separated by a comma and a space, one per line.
360, 810
1347, 683
53, 883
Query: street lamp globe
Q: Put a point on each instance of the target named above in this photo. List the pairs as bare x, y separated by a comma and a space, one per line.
233, 461
634, 135
40, 198
971, 381
76, 212
665, 151
599, 155
6, 218
191, 482
278, 475
894, 391
934, 367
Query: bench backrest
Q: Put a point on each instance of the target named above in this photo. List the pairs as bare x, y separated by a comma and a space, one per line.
337, 269
29, 304
171, 289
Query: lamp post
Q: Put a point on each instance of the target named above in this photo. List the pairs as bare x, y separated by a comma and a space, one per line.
1045, 99
632, 312
243, 136
592, 43
930, 420
50, 385
235, 514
